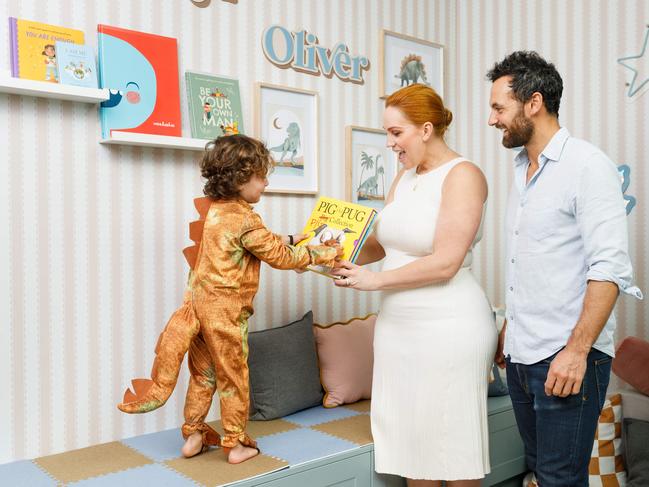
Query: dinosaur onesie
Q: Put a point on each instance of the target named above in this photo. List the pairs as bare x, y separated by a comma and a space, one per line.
212, 323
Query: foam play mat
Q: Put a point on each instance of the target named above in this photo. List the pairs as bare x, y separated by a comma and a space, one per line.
155, 459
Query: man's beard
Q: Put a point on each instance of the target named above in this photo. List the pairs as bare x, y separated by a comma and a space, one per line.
519, 133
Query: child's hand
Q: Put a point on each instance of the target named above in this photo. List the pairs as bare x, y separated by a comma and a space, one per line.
339, 250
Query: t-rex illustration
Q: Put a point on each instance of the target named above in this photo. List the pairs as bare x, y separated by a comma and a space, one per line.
291, 142
411, 70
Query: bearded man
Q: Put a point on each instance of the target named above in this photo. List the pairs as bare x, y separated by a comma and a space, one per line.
567, 261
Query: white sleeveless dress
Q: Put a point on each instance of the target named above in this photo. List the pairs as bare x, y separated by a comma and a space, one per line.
433, 350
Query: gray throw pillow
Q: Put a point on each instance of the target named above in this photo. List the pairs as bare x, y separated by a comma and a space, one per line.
284, 374
635, 437
498, 387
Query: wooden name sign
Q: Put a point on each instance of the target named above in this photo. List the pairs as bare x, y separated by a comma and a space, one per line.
301, 52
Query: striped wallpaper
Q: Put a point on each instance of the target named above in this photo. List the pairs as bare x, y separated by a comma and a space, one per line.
91, 251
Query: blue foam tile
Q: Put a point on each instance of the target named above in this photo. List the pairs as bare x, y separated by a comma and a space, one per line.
302, 445
24, 474
317, 415
161, 446
152, 474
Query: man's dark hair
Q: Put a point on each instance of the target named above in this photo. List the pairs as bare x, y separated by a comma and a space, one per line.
531, 73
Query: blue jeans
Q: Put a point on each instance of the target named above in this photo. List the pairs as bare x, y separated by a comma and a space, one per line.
558, 432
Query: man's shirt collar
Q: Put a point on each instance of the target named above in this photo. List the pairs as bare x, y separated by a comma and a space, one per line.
551, 152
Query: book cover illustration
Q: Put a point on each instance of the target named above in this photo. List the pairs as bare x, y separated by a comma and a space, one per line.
33, 51
140, 70
214, 105
348, 223
76, 64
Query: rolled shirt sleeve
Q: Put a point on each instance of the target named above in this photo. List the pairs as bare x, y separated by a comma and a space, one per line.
602, 221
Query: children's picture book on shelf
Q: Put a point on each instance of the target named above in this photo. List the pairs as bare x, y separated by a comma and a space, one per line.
33, 48
214, 105
76, 64
140, 70
348, 223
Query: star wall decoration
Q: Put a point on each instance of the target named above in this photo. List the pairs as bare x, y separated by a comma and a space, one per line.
639, 64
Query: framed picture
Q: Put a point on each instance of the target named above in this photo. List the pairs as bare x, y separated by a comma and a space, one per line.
371, 166
405, 60
286, 119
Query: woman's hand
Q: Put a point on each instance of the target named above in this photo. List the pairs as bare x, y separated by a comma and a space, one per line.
355, 277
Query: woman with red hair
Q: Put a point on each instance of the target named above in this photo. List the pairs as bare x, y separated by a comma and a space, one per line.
435, 335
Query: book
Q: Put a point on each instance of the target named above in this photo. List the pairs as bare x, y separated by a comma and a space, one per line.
140, 70
76, 64
348, 223
33, 51
214, 105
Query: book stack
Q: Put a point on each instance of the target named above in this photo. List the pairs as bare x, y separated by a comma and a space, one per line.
33, 48
347, 223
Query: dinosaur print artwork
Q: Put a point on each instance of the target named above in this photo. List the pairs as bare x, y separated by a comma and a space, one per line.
412, 71
371, 187
371, 167
289, 146
284, 140
408, 60
287, 122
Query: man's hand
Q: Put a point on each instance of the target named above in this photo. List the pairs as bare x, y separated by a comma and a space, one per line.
566, 373
499, 358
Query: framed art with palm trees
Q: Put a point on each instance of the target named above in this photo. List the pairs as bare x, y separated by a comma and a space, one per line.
371, 166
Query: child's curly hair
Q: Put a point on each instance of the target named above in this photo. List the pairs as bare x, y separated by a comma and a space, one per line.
230, 161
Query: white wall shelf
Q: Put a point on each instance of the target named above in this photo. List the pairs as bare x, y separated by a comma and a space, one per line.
46, 89
149, 140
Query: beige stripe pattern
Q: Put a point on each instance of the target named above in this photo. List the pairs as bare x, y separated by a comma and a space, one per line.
92, 235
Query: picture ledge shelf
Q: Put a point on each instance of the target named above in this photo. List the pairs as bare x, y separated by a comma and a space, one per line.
150, 140
45, 89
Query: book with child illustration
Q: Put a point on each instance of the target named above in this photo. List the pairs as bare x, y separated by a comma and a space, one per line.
347, 223
33, 51
214, 105
76, 64
140, 70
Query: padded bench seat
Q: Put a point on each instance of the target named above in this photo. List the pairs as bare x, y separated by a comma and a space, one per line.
311, 448
354, 465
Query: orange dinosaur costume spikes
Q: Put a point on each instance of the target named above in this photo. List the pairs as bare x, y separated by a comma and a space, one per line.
212, 322
196, 230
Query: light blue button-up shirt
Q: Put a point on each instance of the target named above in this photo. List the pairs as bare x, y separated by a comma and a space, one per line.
564, 227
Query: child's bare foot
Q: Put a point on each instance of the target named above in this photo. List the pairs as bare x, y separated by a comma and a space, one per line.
241, 453
193, 445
